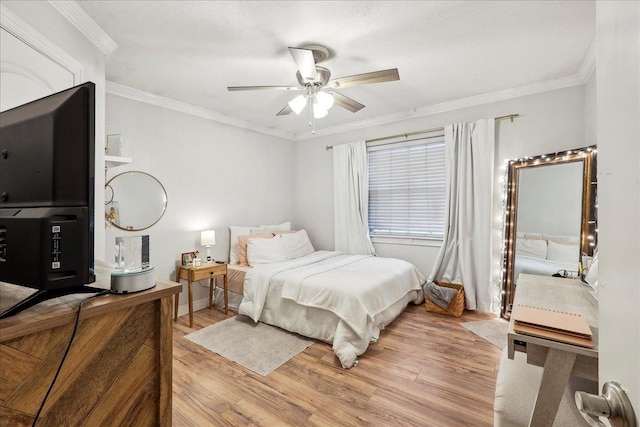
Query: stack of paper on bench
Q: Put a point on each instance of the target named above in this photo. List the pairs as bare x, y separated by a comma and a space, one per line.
555, 325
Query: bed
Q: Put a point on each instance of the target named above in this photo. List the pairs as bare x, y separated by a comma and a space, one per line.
545, 254
345, 300
540, 266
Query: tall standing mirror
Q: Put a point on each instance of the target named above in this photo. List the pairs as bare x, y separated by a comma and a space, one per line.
550, 218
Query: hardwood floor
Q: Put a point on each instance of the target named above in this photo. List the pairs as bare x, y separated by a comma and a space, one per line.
425, 370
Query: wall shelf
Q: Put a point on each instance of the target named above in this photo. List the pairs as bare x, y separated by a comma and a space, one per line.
113, 161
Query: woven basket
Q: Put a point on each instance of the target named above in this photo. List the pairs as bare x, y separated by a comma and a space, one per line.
456, 306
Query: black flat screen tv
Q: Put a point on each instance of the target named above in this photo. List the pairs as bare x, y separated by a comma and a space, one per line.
47, 177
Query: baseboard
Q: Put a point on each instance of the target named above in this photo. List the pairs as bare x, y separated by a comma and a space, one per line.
197, 305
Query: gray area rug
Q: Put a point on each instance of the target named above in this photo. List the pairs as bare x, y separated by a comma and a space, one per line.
259, 347
494, 330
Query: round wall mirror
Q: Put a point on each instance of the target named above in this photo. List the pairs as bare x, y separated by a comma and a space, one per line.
134, 201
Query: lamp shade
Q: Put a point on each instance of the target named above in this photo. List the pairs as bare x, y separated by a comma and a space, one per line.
324, 100
208, 238
319, 113
298, 103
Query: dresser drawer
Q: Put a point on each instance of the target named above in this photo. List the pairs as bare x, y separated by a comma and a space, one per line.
205, 273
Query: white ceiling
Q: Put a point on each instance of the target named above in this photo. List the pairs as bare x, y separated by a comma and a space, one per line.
444, 51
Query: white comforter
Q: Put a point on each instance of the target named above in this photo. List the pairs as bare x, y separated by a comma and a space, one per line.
542, 267
362, 294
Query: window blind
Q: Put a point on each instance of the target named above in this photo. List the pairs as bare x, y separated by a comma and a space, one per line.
407, 188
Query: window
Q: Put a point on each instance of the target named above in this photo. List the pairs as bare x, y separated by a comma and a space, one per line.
407, 188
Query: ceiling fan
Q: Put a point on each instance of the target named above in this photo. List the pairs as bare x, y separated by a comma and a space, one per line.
319, 89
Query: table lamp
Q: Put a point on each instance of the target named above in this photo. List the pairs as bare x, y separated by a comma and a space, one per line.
208, 238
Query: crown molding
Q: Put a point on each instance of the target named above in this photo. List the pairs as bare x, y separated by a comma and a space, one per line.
171, 104
32, 37
588, 63
473, 101
457, 104
87, 26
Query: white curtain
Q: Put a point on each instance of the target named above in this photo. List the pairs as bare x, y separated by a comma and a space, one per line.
351, 199
465, 255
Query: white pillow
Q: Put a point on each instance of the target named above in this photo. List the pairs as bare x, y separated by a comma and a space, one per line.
555, 238
562, 253
563, 239
592, 275
527, 235
243, 230
235, 231
284, 226
531, 247
296, 244
264, 251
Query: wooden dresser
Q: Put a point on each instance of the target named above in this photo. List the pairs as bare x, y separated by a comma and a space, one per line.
118, 370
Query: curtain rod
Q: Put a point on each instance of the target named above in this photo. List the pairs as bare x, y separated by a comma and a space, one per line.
419, 132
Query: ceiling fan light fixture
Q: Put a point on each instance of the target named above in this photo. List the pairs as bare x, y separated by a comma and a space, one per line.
298, 103
319, 112
315, 80
324, 101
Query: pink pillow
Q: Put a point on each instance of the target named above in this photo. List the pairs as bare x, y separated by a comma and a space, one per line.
242, 246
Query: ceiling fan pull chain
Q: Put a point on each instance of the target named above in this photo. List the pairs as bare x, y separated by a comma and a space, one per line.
311, 120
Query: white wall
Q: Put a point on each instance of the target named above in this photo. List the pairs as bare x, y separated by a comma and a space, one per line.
215, 175
618, 110
590, 120
548, 122
58, 30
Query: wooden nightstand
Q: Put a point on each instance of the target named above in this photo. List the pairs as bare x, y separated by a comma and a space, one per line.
192, 274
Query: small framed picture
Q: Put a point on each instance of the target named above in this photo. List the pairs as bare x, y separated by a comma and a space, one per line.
113, 146
187, 258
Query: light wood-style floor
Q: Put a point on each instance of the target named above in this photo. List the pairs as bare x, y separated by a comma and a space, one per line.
425, 370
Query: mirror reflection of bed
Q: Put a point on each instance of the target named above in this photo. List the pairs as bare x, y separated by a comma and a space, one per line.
549, 216
552, 226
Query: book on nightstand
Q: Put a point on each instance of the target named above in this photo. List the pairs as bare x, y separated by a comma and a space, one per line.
555, 325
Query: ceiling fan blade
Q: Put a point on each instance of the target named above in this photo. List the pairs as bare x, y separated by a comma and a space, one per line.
286, 110
237, 88
346, 102
366, 78
304, 61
